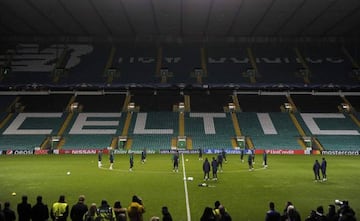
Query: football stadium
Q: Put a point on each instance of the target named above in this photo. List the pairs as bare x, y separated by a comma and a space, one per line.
181, 105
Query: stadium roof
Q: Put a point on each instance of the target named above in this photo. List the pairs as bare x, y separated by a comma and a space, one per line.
177, 20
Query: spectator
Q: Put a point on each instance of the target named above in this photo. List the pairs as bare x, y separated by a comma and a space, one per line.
320, 214
224, 215
9, 214
272, 214
24, 209
40, 211
331, 215
346, 213
136, 209
91, 214
208, 215
216, 209
166, 214
120, 212
60, 210
105, 212
2, 217
79, 209
292, 214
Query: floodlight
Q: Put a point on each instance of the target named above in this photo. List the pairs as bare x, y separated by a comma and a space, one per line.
74, 106
131, 106
231, 106
345, 107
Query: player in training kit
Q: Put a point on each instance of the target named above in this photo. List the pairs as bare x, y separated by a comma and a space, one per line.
214, 165
265, 159
111, 159
143, 156
323, 168
220, 161
316, 169
131, 161
206, 169
176, 161
99, 158
250, 162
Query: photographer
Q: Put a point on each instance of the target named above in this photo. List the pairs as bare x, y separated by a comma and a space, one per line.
345, 213
136, 209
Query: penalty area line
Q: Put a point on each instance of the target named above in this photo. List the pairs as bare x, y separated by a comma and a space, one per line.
185, 189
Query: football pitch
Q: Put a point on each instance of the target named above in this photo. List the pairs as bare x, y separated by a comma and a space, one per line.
244, 193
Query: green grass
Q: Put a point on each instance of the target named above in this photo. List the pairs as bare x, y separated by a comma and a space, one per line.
245, 194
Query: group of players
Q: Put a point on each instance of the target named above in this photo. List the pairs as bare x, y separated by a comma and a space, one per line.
111, 159
317, 167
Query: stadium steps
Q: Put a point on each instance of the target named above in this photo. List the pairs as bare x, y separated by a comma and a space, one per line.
249, 143
6, 120
236, 124
187, 103
181, 124
293, 106
304, 64
173, 142
45, 143
128, 144
317, 144
297, 125
189, 143
126, 102
108, 65
114, 142
60, 64
352, 60
204, 61
351, 115
125, 130
159, 58
357, 122
253, 64
234, 143
236, 103
62, 130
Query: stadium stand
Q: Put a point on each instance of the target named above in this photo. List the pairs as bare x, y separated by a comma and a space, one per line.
261, 103
310, 103
101, 103
156, 100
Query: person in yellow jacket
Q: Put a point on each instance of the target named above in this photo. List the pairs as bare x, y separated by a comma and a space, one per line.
136, 209
60, 210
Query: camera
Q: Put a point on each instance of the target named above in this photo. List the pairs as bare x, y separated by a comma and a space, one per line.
341, 202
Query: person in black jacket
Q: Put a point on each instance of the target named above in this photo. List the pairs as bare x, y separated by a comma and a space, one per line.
206, 169
79, 209
272, 214
24, 209
40, 211
166, 214
9, 214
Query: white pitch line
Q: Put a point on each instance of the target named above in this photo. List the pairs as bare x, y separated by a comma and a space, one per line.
185, 189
